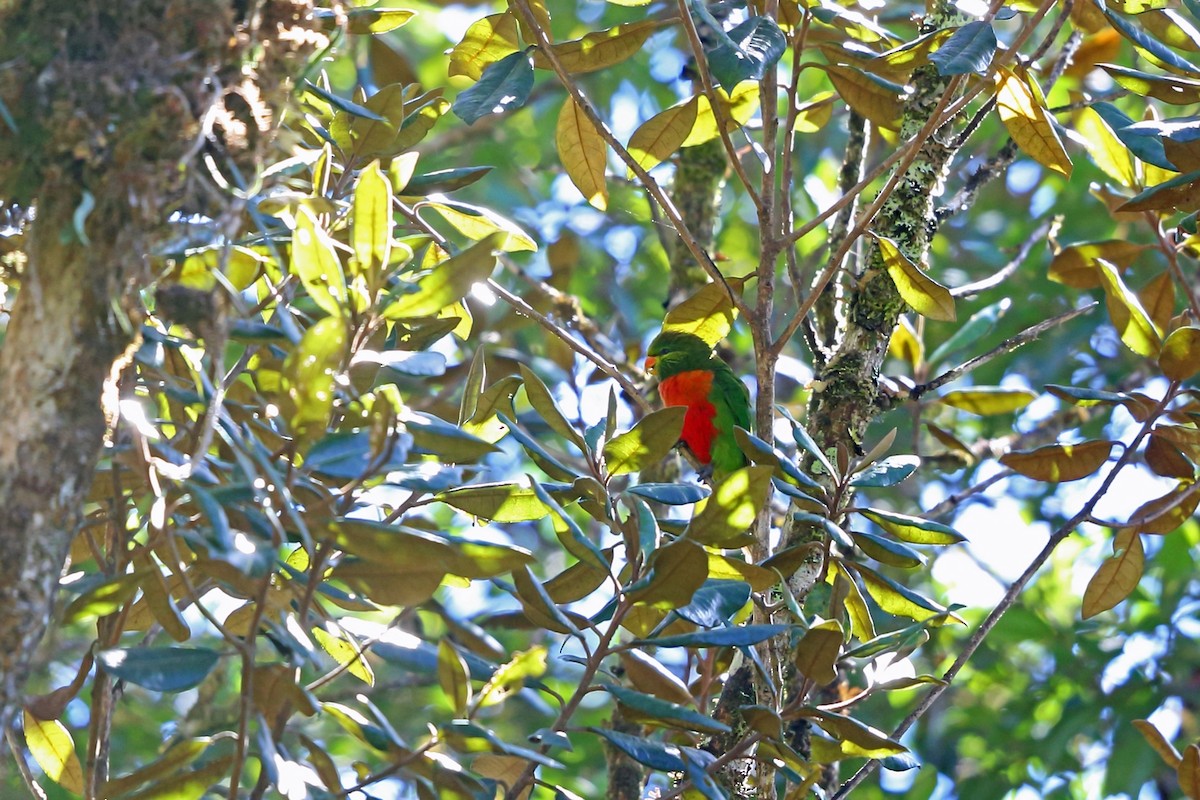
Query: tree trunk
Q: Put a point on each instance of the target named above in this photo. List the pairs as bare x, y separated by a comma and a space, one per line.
109, 103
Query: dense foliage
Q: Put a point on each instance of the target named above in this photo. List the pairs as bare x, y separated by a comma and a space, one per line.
389, 508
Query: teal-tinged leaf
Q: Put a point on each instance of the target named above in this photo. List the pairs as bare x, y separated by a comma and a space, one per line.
505, 85
806, 441
665, 712
829, 526
886, 551
747, 52
720, 637
887, 472
654, 754
969, 49
1146, 147
671, 494
914, 530
342, 104
981, 322
1146, 42
160, 669
577, 543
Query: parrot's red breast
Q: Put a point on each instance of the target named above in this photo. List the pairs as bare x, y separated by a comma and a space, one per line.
691, 389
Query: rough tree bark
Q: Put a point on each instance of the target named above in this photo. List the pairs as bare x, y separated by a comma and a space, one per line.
111, 104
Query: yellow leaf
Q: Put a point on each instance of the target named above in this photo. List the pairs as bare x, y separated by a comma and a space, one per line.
51, 746
660, 136
1059, 463
739, 107
1028, 122
707, 313
1106, 150
476, 223
868, 96
346, 651
583, 153
1133, 324
1158, 299
926, 296
730, 510
1075, 265
599, 49
905, 345
650, 677
815, 113
986, 400
1180, 356
487, 41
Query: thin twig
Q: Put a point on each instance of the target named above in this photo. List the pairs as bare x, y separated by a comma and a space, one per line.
652, 186
1014, 590
1012, 266
31, 783
1004, 348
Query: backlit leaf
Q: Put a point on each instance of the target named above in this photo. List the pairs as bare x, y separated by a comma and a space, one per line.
707, 313
453, 677
583, 153
599, 49
1125, 311
315, 261
1107, 151
1180, 355
926, 296
478, 223
730, 511
1117, 577
309, 372
1164, 514
659, 137
739, 107
53, 749
1028, 122
1168, 88
346, 650
372, 223
449, 281
1180, 192
1059, 463
498, 502
867, 742
647, 443
376, 20
986, 400
895, 599
1076, 265
487, 41
869, 96
914, 530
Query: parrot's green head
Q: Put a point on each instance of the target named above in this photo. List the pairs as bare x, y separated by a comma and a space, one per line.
673, 352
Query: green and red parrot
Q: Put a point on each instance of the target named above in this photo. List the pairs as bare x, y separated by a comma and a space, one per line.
691, 375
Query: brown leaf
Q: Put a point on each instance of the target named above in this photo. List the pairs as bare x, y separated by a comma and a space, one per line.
1059, 463
1155, 739
1167, 460
817, 653
1188, 772
1117, 577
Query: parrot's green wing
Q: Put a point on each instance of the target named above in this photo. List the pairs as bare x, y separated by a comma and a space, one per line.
731, 399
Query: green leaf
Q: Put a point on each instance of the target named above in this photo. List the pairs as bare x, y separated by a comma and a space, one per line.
968, 50
805, 440
575, 541
671, 494
914, 530
346, 650
926, 296
443, 180
440, 437
104, 599
760, 452
746, 52
1168, 88
646, 444
160, 669
315, 260
449, 282
656, 710
53, 749
503, 86
539, 606
981, 322
1148, 148
542, 400
653, 754
1149, 44
887, 472
659, 137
